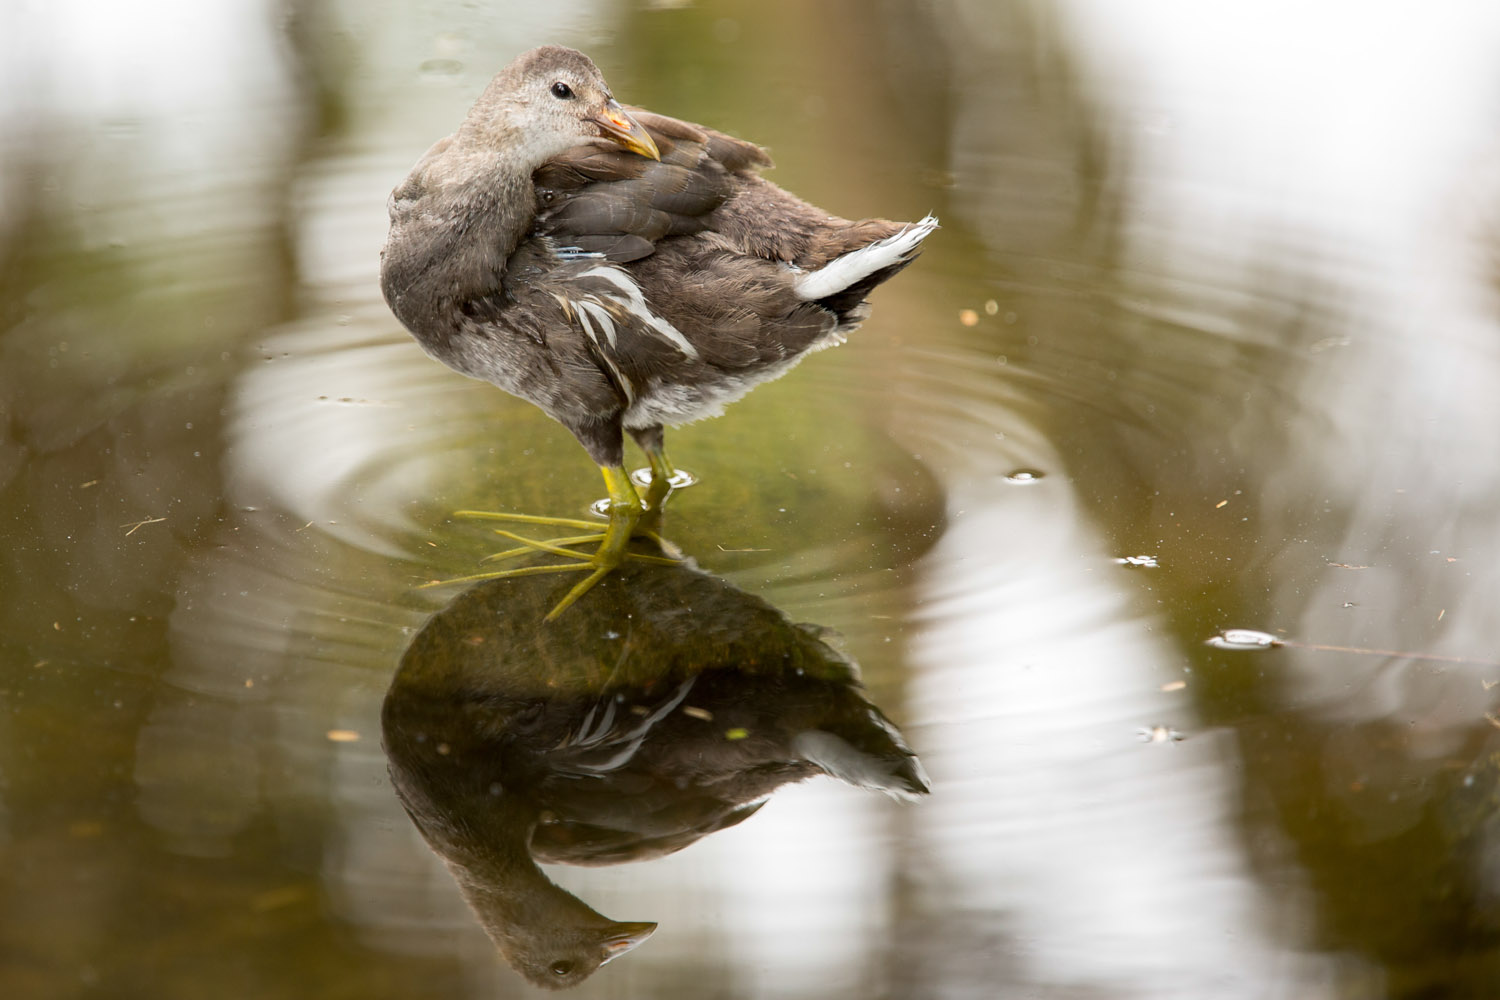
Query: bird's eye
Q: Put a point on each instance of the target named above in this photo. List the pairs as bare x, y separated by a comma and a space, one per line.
562, 91
561, 968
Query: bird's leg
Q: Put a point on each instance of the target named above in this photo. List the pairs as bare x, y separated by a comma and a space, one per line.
661, 479
652, 442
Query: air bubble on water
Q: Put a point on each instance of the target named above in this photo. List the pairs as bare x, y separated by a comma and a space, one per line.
680, 478
1024, 477
1243, 638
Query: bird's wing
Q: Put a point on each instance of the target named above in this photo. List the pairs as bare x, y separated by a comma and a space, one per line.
689, 305
600, 199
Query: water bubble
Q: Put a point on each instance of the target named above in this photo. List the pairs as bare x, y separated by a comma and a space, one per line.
1243, 638
1024, 477
680, 478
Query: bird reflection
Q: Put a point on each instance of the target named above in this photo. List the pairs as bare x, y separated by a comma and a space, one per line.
667, 707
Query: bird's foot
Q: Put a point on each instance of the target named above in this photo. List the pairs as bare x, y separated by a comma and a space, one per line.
627, 519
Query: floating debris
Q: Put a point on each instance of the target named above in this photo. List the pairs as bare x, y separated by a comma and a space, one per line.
1170, 686
135, 526
1243, 638
1134, 562
342, 736
1024, 476
1160, 734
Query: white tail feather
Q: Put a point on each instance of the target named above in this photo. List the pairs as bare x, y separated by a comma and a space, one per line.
840, 760
856, 265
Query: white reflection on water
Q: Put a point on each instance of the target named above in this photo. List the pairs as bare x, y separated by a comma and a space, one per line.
1348, 145
1056, 838
1366, 133
109, 79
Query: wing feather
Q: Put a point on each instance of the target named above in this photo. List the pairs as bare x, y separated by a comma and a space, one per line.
603, 199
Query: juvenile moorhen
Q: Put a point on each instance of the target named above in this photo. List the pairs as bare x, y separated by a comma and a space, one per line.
620, 269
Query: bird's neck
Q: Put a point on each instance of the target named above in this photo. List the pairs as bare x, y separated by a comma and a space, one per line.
455, 221
512, 897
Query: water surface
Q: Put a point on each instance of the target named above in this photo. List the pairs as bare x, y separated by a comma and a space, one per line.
1206, 342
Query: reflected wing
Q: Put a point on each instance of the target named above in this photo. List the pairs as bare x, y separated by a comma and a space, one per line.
610, 734
575, 843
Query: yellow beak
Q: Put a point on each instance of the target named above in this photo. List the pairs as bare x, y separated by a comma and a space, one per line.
619, 127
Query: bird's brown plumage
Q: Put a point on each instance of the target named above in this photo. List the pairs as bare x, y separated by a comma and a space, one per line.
615, 291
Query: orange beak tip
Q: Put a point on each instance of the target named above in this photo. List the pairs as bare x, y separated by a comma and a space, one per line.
620, 128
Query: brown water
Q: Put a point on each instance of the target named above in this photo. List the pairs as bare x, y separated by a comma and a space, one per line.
1208, 341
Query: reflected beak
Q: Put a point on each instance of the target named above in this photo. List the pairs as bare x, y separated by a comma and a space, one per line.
619, 127
626, 936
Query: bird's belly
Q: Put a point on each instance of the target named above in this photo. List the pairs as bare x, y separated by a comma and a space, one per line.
672, 404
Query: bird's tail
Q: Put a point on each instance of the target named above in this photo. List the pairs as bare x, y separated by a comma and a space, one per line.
878, 760
852, 268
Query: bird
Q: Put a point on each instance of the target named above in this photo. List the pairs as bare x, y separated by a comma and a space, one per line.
586, 743
622, 270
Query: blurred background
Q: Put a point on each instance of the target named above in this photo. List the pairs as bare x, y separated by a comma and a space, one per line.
1208, 341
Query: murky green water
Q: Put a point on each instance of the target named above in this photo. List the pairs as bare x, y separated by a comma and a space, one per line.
1207, 341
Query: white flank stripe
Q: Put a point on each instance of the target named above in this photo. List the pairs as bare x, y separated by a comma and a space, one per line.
631, 300
601, 316
856, 265
588, 327
587, 312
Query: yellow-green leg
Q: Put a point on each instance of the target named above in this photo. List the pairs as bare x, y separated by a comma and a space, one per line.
625, 511
662, 474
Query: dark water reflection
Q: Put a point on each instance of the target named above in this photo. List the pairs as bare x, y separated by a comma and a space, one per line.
667, 708
1226, 279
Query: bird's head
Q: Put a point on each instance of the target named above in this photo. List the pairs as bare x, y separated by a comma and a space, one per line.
556, 957
549, 100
